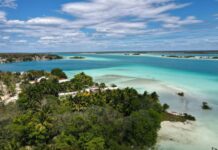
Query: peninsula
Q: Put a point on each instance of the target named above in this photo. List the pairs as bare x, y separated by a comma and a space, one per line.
53, 112
23, 57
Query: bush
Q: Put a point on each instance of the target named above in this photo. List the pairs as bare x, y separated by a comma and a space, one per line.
165, 107
113, 85
205, 106
181, 94
189, 117
102, 85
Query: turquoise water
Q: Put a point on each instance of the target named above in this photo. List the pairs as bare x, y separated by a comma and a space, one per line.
197, 78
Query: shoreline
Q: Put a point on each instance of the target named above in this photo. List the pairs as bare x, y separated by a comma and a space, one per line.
191, 58
170, 132
178, 135
210, 58
177, 131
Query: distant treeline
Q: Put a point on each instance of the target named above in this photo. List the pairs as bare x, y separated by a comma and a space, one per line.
191, 57
20, 57
146, 52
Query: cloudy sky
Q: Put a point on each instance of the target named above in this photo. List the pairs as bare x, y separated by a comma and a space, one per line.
108, 25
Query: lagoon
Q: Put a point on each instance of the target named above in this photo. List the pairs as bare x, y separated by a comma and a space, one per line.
198, 79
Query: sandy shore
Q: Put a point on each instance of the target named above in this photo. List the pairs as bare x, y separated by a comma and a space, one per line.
177, 132
188, 136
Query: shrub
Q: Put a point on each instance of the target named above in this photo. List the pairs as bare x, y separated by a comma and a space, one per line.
189, 117
205, 106
181, 94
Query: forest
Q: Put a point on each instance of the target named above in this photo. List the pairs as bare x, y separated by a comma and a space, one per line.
104, 119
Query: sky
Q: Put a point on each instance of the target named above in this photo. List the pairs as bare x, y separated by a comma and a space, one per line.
108, 25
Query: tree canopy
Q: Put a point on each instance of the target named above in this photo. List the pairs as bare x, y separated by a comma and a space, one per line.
82, 80
112, 119
59, 73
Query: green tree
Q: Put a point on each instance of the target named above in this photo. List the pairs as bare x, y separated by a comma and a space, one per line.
59, 73
142, 127
102, 85
34, 96
165, 107
81, 81
154, 96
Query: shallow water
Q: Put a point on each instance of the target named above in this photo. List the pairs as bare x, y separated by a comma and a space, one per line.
198, 79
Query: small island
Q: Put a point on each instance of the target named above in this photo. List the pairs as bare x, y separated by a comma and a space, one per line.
77, 57
24, 57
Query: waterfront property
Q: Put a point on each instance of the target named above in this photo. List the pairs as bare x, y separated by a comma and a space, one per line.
92, 89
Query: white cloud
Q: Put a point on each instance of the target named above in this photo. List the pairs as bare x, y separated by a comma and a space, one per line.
47, 21
113, 9
39, 21
2, 16
6, 37
106, 17
122, 28
96, 22
8, 3
125, 17
44, 30
216, 16
176, 22
20, 41
15, 22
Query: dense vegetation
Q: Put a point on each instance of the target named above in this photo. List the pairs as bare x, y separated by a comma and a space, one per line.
105, 119
10, 57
